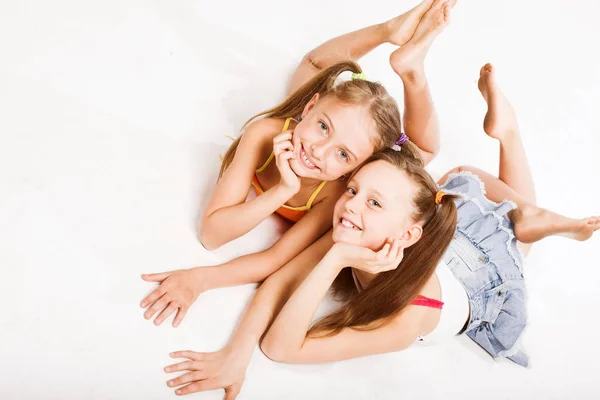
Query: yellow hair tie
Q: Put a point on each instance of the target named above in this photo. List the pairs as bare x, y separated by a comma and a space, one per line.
360, 76
438, 197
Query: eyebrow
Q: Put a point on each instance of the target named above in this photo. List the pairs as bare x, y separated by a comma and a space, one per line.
333, 127
352, 182
329, 120
379, 194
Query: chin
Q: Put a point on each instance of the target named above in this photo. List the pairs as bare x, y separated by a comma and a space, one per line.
298, 170
345, 237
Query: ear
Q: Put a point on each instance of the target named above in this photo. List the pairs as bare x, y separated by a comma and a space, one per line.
309, 106
411, 236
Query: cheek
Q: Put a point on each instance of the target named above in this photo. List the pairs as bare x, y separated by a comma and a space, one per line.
377, 230
303, 130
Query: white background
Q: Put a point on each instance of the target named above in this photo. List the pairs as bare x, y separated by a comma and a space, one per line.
112, 116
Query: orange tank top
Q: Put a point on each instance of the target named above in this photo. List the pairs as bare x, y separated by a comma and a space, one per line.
293, 214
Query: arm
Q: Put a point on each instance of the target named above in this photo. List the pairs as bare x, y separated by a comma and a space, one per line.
286, 340
178, 290
353, 45
228, 216
226, 368
257, 267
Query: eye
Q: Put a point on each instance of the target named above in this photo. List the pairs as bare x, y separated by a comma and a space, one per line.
344, 155
351, 191
324, 127
375, 203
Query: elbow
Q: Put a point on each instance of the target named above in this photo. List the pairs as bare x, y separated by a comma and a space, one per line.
207, 236
309, 59
274, 351
435, 149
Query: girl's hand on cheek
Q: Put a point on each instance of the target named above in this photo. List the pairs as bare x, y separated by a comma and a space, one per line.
367, 260
283, 149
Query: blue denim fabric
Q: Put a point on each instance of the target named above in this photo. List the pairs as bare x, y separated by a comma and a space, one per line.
485, 258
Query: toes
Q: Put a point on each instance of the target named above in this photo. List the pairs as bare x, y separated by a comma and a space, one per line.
486, 69
446, 11
439, 4
425, 5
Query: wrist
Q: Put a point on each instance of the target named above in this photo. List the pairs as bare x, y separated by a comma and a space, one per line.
205, 278
285, 192
241, 347
383, 32
334, 259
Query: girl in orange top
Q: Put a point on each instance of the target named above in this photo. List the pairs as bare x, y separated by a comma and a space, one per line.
324, 130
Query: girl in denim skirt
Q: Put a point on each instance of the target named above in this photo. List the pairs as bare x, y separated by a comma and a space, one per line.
411, 261
426, 283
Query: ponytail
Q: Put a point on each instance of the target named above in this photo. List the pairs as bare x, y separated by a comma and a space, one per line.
392, 291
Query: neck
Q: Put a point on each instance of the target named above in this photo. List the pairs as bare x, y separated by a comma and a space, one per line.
363, 278
309, 182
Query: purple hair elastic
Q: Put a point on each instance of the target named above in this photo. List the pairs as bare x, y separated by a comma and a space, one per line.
401, 140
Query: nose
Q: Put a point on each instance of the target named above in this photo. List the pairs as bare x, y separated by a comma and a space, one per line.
319, 149
352, 205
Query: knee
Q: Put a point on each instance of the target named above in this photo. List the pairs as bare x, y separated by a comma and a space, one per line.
462, 168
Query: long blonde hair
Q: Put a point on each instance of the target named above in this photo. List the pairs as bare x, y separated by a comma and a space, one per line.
382, 107
392, 291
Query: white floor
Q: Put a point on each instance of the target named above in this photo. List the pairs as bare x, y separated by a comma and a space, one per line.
112, 116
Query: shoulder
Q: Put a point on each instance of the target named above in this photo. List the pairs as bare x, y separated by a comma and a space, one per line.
332, 191
264, 128
259, 135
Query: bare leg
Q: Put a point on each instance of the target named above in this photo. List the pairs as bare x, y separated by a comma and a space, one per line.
501, 123
355, 45
420, 118
532, 223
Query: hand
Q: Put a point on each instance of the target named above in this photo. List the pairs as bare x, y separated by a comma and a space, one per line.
386, 259
176, 293
209, 371
283, 149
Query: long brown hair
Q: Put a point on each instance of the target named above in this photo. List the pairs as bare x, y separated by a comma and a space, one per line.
392, 291
382, 107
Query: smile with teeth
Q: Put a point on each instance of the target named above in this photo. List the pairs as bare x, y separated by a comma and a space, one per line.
306, 161
344, 222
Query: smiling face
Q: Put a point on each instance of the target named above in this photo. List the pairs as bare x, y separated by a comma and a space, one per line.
378, 204
332, 139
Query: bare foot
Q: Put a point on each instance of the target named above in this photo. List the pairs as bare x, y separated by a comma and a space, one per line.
533, 223
399, 30
500, 119
410, 58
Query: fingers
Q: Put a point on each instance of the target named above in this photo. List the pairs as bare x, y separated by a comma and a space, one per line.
283, 147
179, 317
152, 297
156, 307
171, 308
399, 252
389, 256
282, 137
232, 392
385, 250
186, 378
182, 366
395, 254
283, 143
197, 387
192, 355
156, 277
283, 159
